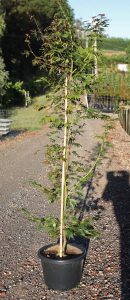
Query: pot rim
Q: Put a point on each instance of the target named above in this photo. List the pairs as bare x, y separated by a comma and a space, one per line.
62, 260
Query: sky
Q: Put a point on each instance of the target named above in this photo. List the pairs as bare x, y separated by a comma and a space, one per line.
117, 11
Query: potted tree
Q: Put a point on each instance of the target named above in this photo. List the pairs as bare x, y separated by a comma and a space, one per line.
69, 67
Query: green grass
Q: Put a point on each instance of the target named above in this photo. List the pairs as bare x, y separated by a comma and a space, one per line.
29, 118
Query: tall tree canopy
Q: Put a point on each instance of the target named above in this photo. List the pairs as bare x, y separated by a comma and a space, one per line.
19, 18
3, 72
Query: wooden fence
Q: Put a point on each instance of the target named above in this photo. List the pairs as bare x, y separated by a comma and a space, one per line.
124, 117
105, 103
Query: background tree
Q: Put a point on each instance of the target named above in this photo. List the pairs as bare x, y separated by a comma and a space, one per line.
3, 72
19, 18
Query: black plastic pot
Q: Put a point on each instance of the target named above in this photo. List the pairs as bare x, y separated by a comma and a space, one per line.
62, 274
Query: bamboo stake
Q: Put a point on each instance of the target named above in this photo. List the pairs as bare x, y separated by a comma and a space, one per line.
63, 183
95, 56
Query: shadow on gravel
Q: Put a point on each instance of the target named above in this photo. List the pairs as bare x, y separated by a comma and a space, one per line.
90, 203
12, 134
118, 191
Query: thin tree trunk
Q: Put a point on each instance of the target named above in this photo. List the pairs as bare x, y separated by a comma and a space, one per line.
63, 183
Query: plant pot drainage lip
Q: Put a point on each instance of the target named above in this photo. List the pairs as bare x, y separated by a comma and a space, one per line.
62, 260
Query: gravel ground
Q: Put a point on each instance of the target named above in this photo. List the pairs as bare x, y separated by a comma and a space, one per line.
106, 273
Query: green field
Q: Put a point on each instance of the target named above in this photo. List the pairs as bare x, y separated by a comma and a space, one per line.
29, 118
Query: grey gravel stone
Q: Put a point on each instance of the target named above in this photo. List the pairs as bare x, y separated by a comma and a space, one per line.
21, 159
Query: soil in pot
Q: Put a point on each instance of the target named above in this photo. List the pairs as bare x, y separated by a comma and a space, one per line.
71, 251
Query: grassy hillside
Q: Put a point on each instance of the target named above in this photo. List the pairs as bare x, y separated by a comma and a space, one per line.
114, 50
114, 57
115, 44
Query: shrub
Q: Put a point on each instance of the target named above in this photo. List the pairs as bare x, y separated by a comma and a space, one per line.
15, 94
3, 79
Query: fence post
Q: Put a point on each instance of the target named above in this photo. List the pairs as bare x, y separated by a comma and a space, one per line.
124, 117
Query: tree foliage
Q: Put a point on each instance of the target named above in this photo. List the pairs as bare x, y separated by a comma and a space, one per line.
69, 65
3, 78
2, 25
19, 18
3, 72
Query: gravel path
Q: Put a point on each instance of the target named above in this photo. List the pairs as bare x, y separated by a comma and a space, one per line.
106, 274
